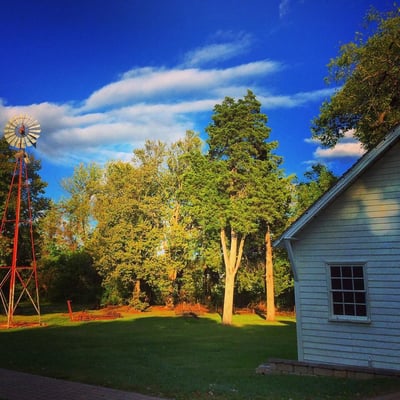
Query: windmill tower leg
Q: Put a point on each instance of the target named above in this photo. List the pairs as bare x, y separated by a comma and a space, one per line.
20, 280
10, 313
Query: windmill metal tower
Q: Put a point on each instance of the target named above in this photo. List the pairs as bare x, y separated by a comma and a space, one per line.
18, 278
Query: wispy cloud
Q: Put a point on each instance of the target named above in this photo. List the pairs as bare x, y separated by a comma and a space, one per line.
284, 7
144, 83
294, 100
217, 52
152, 103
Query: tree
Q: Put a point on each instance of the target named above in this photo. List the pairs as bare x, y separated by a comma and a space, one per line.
77, 208
66, 268
127, 243
368, 101
39, 204
318, 180
145, 241
238, 183
7, 163
55, 233
181, 236
70, 276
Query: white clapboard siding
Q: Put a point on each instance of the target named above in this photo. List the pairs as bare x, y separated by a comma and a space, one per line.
362, 225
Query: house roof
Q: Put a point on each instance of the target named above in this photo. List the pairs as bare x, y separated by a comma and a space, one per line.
340, 186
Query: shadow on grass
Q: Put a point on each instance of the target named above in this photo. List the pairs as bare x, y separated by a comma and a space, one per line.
170, 356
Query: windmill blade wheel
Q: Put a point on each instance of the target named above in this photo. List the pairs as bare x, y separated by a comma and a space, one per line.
22, 131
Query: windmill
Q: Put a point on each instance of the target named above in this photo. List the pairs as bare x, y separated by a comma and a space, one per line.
18, 279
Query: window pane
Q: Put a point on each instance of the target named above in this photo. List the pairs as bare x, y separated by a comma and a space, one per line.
349, 309
336, 284
348, 284
358, 284
360, 297
337, 297
346, 271
361, 310
335, 272
358, 272
337, 309
348, 297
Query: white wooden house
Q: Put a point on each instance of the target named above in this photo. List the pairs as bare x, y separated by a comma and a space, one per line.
345, 256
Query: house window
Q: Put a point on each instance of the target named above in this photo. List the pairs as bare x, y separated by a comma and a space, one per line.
348, 291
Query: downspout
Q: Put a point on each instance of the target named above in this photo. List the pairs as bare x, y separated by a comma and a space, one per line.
289, 249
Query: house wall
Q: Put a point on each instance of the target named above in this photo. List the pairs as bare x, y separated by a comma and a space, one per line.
361, 225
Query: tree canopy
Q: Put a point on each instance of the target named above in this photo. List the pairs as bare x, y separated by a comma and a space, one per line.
368, 72
179, 223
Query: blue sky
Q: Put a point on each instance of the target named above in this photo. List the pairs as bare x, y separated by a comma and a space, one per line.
101, 77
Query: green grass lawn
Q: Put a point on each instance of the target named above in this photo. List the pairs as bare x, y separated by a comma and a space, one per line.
175, 357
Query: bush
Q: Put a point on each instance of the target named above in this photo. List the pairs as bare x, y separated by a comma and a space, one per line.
70, 276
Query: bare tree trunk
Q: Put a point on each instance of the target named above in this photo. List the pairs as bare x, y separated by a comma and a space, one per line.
232, 259
269, 278
136, 290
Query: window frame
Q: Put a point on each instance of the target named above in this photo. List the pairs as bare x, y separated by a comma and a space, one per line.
345, 317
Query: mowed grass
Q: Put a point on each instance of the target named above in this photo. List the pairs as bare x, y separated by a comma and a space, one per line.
175, 357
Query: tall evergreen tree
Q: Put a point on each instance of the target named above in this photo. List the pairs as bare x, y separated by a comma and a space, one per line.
239, 182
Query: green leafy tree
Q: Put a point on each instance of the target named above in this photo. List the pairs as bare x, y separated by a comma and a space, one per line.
66, 268
145, 243
368, 100
77, 209
70, 276
128, 234
156, 267
7, 163
55, 232
238, 183
318, 180
181, 236
39, 204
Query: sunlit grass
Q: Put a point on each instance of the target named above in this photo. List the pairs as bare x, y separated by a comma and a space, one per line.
174, 356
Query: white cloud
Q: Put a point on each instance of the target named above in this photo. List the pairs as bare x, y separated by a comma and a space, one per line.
341, 150
294, 100
143, 83
218, 52
71, 134
155, 103
163, 110
347, 147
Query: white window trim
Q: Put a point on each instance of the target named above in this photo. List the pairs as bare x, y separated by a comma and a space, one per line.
347, 318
